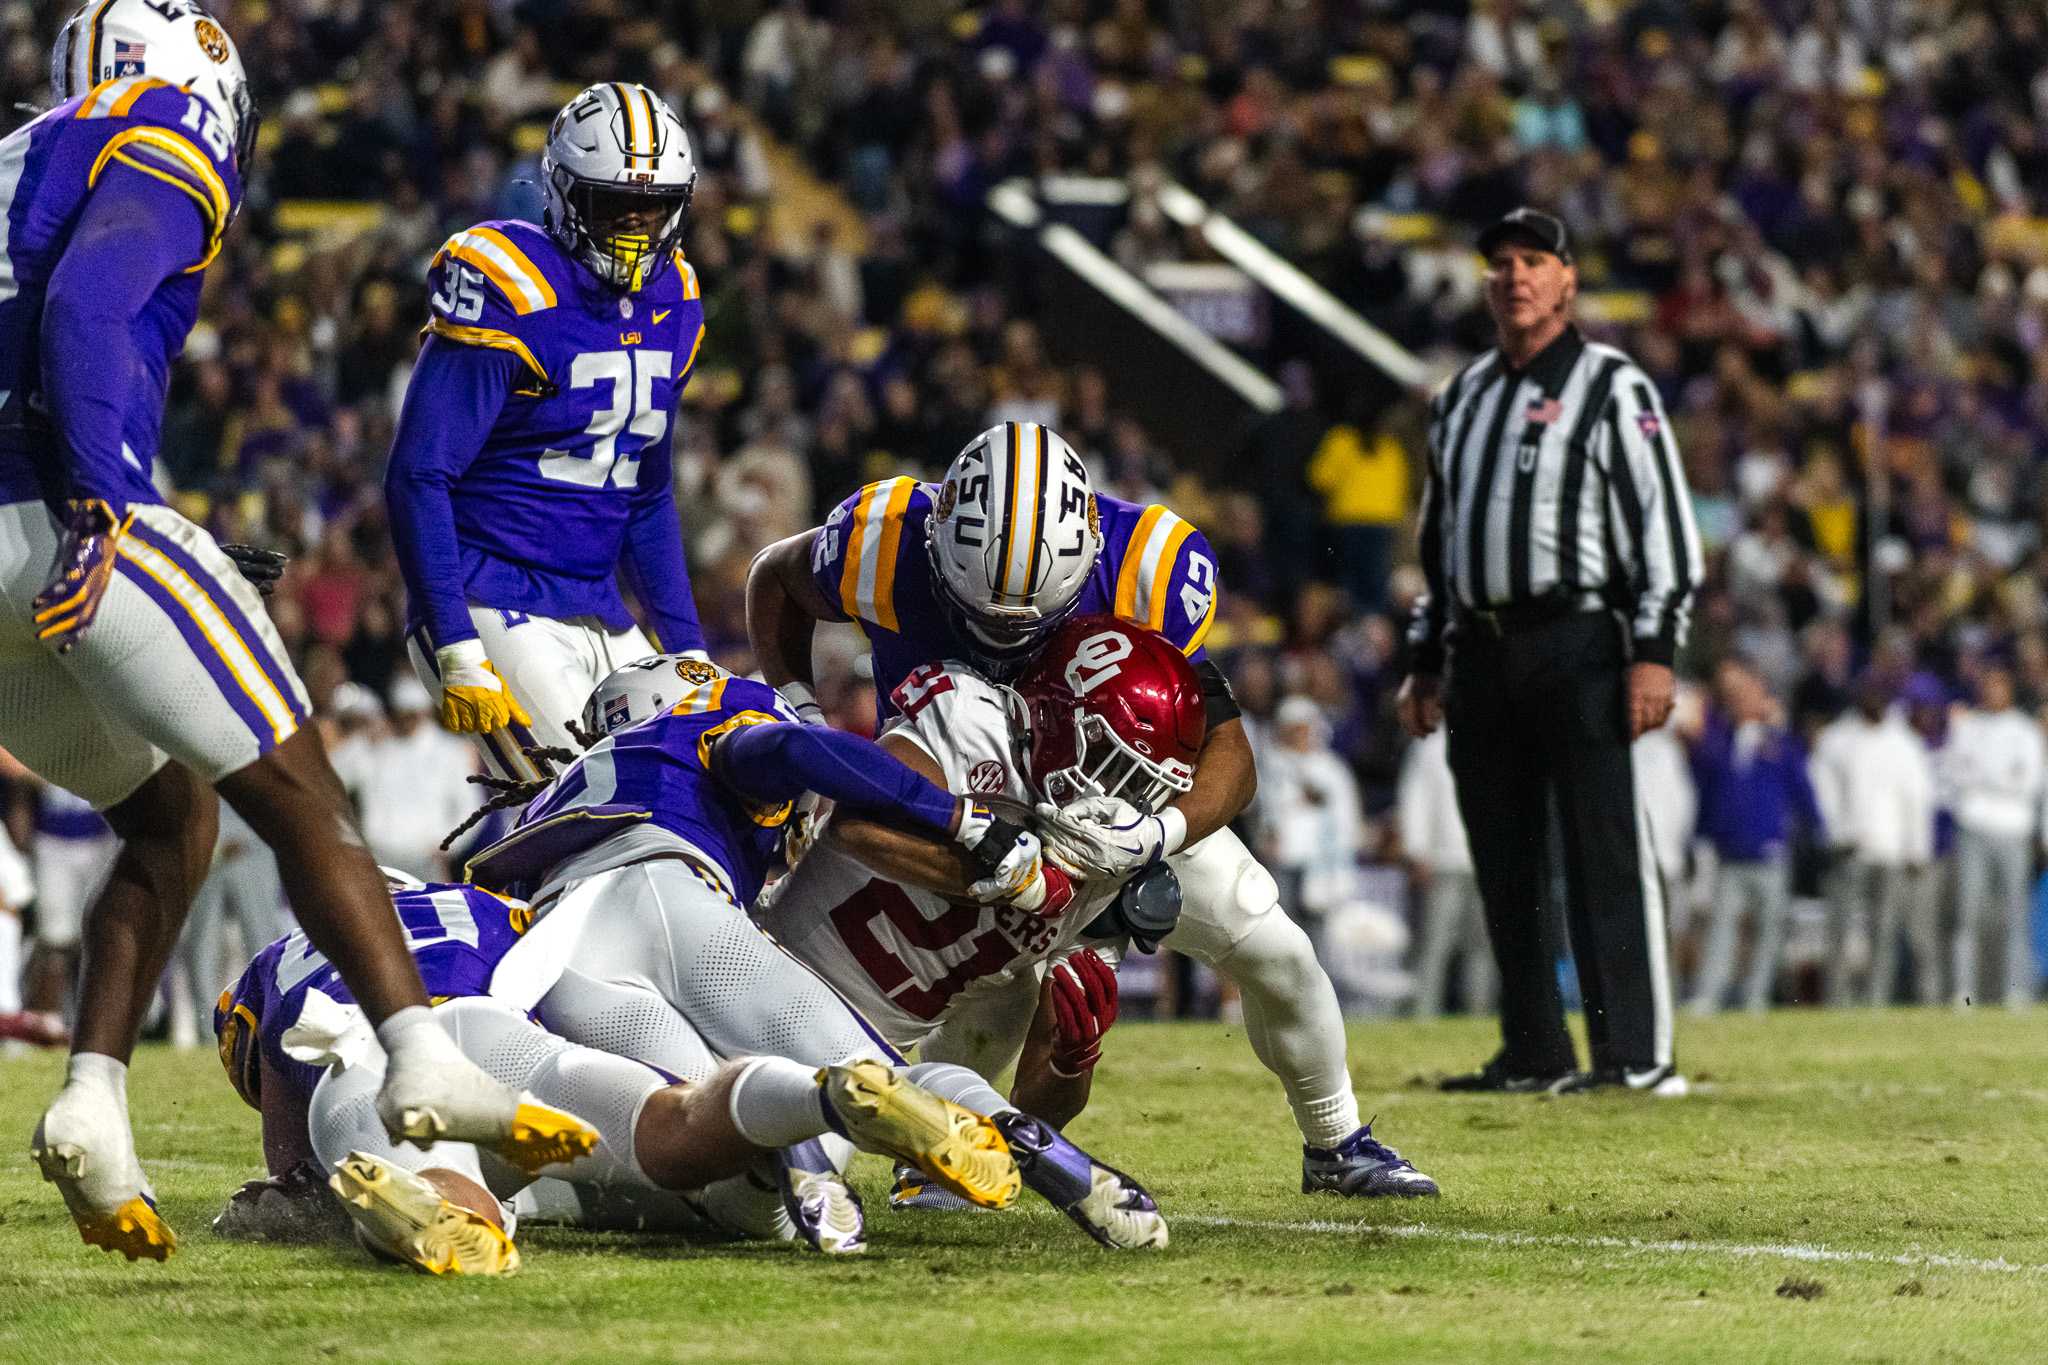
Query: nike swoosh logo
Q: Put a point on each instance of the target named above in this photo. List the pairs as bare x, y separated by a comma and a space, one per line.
661, 313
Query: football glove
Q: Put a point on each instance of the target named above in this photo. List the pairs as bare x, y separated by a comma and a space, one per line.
260, 566
474, 697
803, 701
1005, 853
1108, 837
78, 579
1084, 1000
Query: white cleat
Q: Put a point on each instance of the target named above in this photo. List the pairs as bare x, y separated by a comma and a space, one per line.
85, 1149
826, 1211
453, 1100
398, 1213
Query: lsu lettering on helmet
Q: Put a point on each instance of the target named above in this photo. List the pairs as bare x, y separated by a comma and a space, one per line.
616, 180
650, 686
1013, 538
171, 40
1114, 710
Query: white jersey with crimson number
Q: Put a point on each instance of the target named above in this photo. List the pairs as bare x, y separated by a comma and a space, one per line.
903, 955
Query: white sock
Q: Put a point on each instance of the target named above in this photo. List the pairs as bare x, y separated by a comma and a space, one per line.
961, 1086
415, 1031
105, 1077
776, 1101
10, 962
1327, 1121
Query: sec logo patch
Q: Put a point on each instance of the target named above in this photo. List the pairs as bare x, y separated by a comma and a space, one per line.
987, 778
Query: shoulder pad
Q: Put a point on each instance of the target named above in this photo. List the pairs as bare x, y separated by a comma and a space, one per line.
171, 137
1167, 578
860, 548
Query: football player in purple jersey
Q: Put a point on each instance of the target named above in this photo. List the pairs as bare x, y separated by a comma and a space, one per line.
137, 668
295, 1051
532, 458
983, 566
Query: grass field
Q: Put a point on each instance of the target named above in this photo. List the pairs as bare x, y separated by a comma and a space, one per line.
1853, 1186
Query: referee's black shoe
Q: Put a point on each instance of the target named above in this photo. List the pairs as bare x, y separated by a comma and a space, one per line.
1661, 1081
1498, 1076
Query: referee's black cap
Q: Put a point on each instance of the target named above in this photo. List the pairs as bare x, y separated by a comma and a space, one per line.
1532, 227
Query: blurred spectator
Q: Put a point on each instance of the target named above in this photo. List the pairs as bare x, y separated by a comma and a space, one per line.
242, 885
1754, 796
1874, 782
413, 783
1363, 481
2000, 769
1440, 869
1312, 815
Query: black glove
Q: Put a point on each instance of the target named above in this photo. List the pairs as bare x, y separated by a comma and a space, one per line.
1146, 909
261, 567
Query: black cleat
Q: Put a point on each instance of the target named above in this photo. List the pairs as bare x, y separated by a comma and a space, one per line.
1497, 1076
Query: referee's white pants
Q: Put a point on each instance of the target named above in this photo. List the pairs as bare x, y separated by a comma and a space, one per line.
551, 666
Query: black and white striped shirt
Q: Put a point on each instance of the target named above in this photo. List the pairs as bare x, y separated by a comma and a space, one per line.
1561, 477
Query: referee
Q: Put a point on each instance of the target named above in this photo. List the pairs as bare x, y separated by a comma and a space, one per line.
1560, 552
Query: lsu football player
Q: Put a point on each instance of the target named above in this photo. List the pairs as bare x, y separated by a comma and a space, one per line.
648, 848
983, 566
295, 1050
532, 458
137, 668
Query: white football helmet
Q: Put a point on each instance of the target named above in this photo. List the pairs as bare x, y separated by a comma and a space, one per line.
1013, 538
616, 179
646, 687
171, 40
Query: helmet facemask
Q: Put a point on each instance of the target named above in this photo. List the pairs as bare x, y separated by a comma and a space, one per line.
626, 234
1105, 765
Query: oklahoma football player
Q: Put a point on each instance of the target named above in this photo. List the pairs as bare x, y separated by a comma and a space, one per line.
984, 566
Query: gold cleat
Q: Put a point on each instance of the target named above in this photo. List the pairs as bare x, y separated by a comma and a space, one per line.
398, 1213
134, 1229
543, 1136
960, 1150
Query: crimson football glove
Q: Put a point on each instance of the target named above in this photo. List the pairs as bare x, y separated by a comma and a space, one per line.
1083, 1008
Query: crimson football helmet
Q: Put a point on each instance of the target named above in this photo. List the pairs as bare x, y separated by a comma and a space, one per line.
1114, 710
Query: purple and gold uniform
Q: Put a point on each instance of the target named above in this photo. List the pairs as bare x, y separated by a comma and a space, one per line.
870, 563
111, 206
656, 773
532, 460
169, 151
456, 933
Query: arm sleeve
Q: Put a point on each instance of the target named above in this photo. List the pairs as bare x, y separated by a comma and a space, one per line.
451, 404
133, 234
655, 565
775, 763
1648, 487
1219, 703
1426, 626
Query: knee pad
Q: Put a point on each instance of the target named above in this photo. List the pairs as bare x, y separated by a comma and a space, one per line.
606, 1092
1226, 893
1275, 955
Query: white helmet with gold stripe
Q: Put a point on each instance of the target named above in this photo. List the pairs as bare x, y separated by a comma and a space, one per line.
166, 40
1013, 538
616, 181
647, 687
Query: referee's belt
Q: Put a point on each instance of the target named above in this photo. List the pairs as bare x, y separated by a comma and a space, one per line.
1536, 611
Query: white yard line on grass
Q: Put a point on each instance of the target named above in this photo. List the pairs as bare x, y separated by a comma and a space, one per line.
1639, 1246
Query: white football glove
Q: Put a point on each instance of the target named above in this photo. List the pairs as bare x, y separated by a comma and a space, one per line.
803, 701
1108, 837
1007, 854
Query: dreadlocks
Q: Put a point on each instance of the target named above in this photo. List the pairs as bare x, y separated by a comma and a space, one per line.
510, 791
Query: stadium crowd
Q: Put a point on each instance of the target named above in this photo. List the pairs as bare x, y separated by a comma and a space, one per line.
1821, 225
